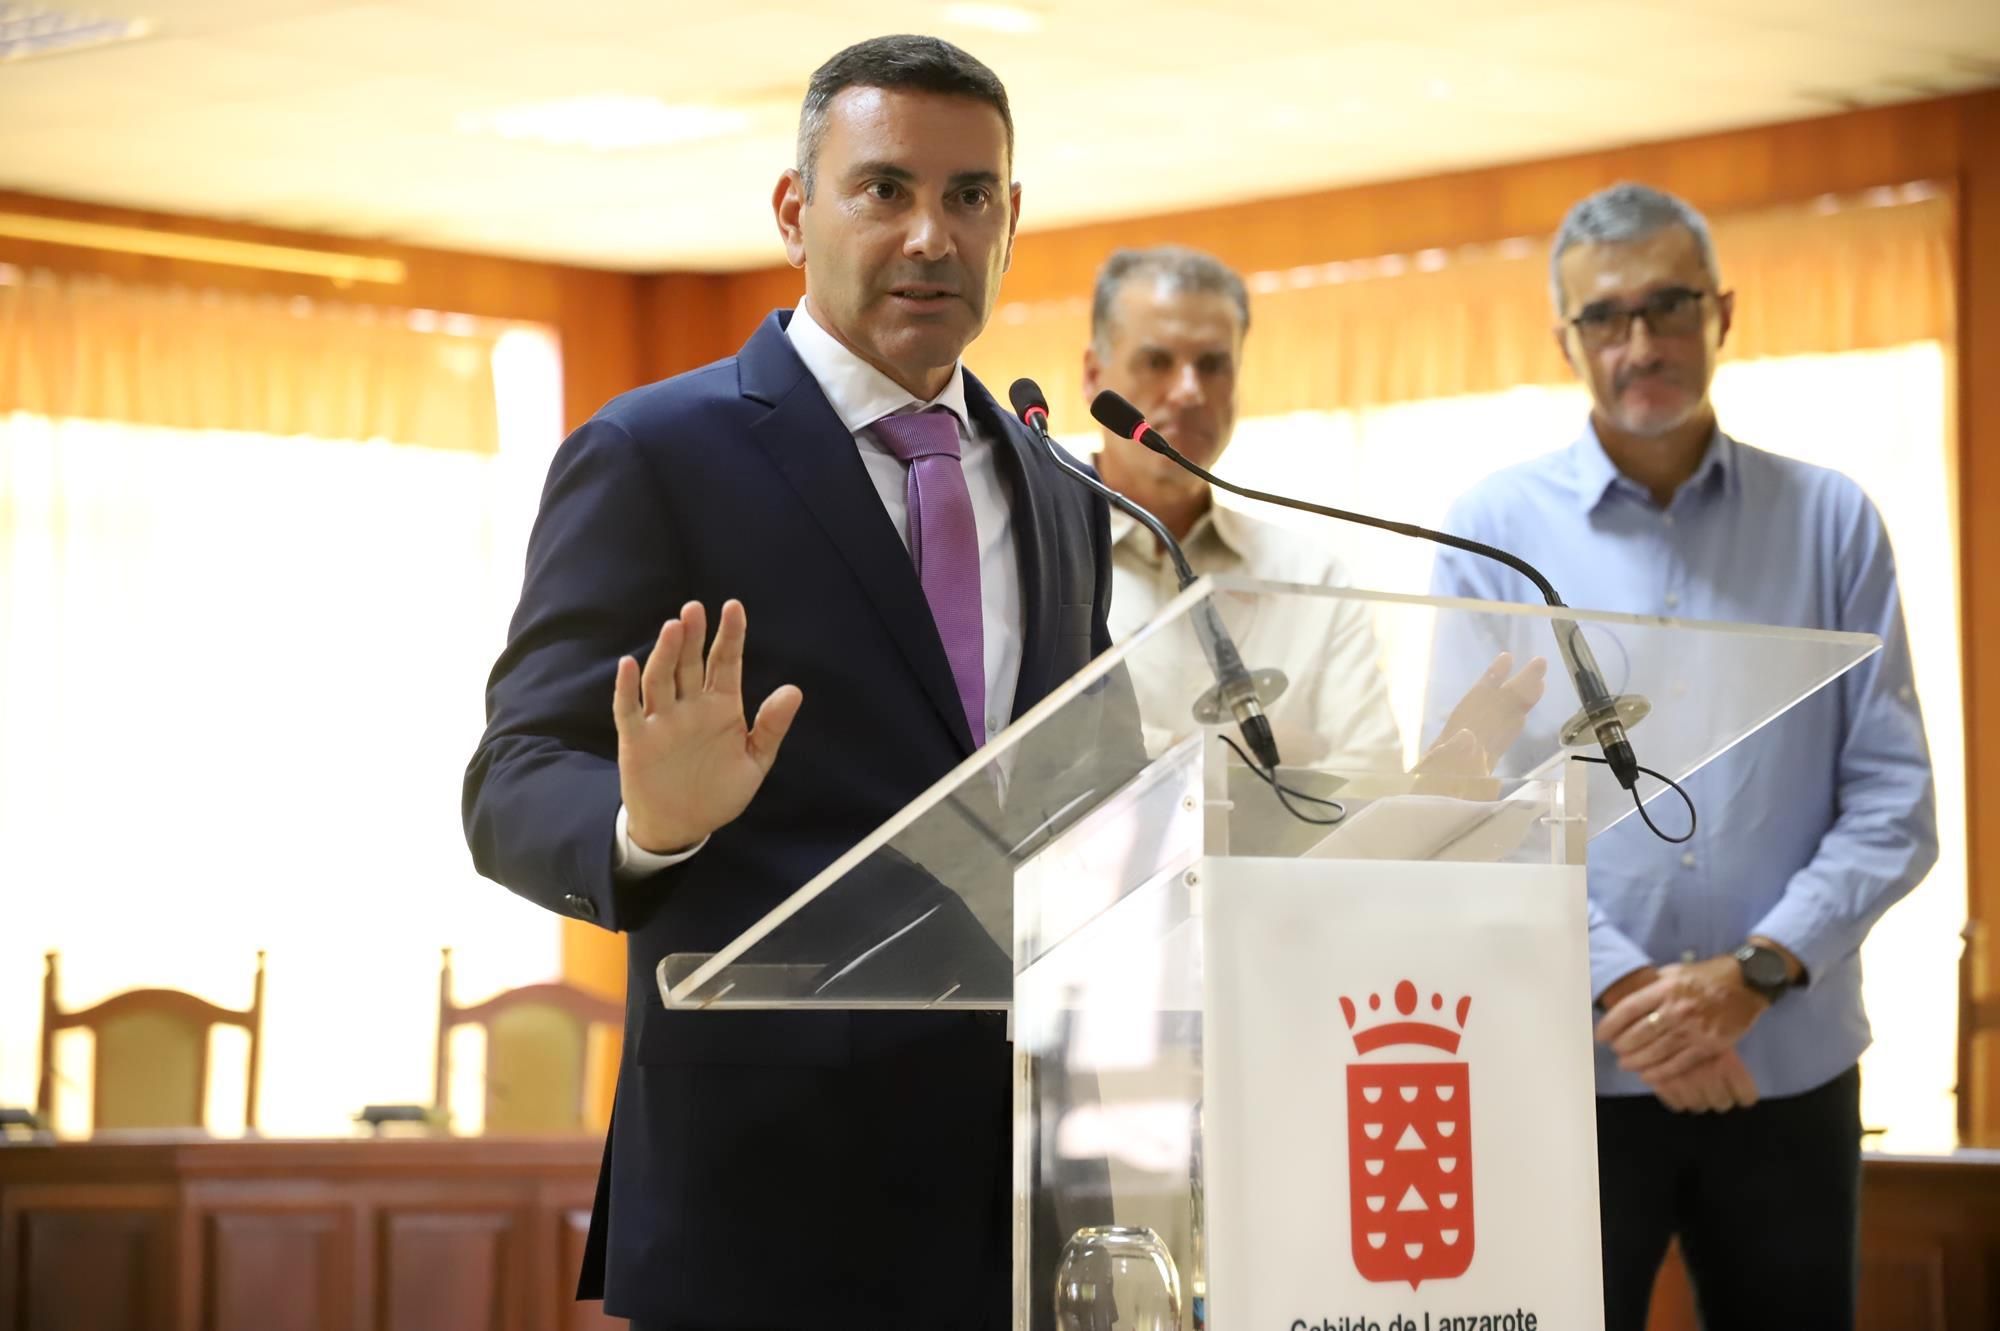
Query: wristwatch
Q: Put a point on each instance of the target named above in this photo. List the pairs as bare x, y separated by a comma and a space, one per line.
1764, 971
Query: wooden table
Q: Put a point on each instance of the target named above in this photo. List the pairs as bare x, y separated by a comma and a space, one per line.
414, 1234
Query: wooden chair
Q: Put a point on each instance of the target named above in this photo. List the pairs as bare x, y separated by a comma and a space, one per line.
151, 1057
537, 1053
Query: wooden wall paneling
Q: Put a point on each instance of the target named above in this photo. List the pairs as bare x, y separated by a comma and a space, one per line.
1727, 172
1734, 171
592, 311
752, 296
1978, 417
597, 320
681, 318
687, 320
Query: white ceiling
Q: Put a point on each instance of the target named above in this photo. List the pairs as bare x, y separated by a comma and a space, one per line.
336, 116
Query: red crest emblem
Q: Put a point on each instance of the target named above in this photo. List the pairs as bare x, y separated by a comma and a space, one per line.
1409, 1145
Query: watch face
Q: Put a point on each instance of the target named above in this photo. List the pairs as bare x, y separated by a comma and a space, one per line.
1763, 968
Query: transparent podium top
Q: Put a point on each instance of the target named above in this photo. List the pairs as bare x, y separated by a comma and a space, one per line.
1406, 727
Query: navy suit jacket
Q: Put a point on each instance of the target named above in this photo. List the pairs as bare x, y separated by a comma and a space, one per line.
769, 1169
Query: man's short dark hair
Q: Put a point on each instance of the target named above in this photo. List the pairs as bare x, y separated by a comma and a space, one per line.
1175, 267
907, 62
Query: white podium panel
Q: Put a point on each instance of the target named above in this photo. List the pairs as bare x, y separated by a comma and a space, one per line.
1398, 1116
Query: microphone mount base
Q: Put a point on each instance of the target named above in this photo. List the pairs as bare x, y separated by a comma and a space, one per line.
1212, 708
1580, 731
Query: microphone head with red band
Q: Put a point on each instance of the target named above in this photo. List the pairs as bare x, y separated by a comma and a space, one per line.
1117, 415
1029, 403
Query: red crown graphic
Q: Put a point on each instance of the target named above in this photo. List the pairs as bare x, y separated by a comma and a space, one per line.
1389, 1031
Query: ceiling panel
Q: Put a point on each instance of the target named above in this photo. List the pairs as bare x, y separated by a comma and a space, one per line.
345, 115
118, 87
1698, 48
183, 18
1957, 26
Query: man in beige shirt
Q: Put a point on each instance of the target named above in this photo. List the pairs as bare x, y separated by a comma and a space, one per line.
1167, 329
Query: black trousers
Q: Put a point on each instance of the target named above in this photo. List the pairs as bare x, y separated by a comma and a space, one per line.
1765, 1201
1077, 1194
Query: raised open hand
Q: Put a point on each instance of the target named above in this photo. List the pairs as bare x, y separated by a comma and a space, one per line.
1487, 720
687, 762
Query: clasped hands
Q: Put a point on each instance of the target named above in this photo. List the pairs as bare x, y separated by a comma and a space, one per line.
1677, 1027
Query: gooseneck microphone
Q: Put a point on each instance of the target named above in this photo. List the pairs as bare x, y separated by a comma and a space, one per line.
1604, 716
1238, 692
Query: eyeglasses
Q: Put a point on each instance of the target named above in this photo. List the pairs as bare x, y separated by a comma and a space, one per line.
1673, 312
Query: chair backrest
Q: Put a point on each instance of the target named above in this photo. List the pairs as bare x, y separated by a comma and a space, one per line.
150, 1064
537, 1053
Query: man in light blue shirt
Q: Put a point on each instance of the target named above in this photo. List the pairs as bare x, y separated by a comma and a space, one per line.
1728, 968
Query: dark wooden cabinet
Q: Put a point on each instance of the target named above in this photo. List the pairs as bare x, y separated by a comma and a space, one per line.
363, 1235
103, 1266
487, 1235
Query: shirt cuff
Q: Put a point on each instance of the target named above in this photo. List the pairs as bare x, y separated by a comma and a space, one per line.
1612, 957
629, 862
1803, 925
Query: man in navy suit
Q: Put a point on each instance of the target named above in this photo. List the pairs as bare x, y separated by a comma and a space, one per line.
920, 574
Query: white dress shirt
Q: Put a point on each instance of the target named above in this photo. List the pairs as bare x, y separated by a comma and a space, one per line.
861, 395
1335, 715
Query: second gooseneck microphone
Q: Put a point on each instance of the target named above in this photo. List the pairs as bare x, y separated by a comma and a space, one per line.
1603, 716
1237, 692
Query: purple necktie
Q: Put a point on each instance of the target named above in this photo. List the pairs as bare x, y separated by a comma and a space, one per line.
944, 543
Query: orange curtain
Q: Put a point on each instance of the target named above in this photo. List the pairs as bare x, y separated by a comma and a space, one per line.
1833, 275
92, 349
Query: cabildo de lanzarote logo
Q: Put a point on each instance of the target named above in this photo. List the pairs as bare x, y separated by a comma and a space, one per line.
1409, 1143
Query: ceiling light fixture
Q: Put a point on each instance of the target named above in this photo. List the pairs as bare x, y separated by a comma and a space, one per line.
606, 123
27, 31
1010, 19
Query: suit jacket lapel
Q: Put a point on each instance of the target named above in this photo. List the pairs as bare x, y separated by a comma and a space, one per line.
809, 446
1035, 518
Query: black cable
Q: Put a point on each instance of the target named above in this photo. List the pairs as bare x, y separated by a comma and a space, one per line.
1693, 820
1285, 793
